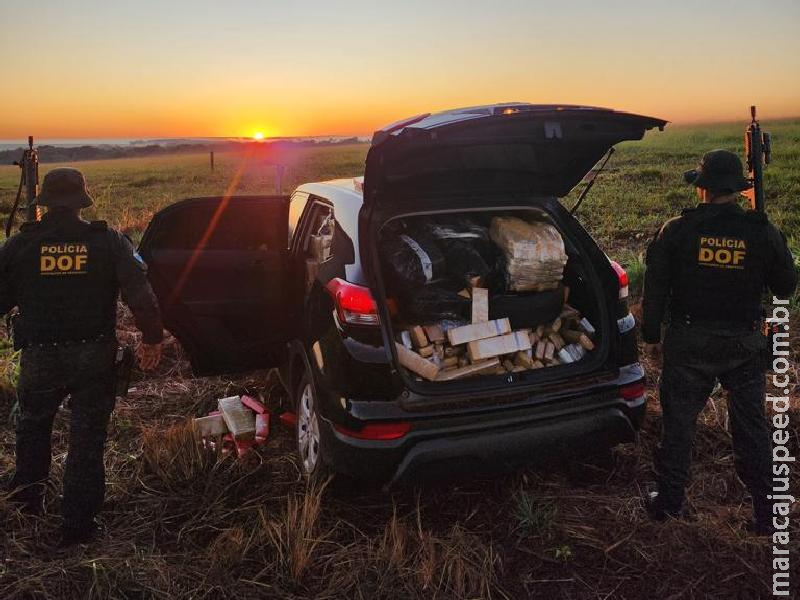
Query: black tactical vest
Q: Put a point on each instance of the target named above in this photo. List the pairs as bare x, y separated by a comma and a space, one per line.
64, 282
718, 272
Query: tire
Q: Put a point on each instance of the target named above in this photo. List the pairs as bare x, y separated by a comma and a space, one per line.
310, 451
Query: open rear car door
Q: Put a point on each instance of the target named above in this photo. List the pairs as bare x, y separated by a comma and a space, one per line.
530, 149
219, 267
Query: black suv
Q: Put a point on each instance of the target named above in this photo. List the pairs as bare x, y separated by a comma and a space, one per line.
237, 287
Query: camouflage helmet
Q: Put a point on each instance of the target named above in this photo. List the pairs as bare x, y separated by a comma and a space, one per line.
64, 187
718, 171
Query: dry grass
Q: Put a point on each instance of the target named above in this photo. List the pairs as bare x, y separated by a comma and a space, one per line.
184, 522
294, 534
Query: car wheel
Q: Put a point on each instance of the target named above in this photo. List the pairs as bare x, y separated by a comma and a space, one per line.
309, 440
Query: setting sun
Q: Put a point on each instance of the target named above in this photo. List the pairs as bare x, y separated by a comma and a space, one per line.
258, 135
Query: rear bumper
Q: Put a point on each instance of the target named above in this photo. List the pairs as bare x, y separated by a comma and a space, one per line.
484, 445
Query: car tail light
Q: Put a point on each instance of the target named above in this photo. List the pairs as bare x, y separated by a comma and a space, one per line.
631, 391
354, 303
622, 276
376, 431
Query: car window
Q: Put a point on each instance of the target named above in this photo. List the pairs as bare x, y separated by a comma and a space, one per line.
297, 205
317, 232
238, 226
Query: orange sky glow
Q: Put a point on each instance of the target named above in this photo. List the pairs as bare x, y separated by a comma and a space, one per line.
179, 68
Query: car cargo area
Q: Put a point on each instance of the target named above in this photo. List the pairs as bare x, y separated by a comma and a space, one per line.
486, 294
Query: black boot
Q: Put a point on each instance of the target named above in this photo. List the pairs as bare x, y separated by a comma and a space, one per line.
762, 520
660, 509
74, 535
30, 497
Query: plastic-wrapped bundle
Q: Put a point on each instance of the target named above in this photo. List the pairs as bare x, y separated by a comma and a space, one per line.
464, 244
411, 259
535, 255
433, 303
528, 309
458, 228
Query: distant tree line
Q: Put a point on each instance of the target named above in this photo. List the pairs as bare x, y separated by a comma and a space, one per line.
51, 154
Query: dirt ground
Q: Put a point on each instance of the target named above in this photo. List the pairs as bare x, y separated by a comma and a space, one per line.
183, 523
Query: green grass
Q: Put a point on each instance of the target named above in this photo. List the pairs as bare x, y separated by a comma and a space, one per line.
533, 515
643, 186
128, 191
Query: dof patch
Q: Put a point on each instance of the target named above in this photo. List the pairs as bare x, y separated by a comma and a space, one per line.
721, 252
65, 258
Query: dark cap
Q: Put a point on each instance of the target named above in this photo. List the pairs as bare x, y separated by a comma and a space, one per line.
64, 187
718, 171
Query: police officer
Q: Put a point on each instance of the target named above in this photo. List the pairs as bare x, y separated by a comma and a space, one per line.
64, 275
709, 267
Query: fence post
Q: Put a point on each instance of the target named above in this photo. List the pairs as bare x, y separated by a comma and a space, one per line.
279, 171
212, 159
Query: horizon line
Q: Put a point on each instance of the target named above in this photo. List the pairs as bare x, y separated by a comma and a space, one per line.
348, 135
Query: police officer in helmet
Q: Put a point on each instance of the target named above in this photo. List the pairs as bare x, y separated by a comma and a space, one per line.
64, 275
709, 268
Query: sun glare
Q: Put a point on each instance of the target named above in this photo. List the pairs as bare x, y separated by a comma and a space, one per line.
258, 135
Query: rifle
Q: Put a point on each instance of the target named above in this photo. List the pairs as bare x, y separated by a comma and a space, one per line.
29, 179
758, 151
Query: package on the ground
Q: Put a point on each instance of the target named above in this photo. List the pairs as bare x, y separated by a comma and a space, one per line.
255, 405
411, 258
464, 243
210, 426
262, 426
528, 309
534, 252
241, 421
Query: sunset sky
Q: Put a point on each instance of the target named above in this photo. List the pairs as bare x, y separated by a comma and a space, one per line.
158, 68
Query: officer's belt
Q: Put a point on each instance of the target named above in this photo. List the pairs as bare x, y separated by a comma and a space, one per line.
688, 321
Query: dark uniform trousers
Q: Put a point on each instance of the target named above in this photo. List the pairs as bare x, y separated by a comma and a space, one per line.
48, 373
695, 358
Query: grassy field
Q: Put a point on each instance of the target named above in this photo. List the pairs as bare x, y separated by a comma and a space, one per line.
182, 524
